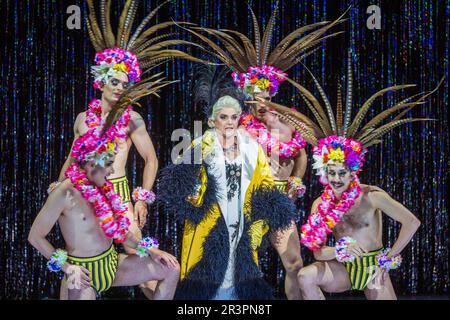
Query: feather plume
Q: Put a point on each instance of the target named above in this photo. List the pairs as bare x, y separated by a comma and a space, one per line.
267, 38
365, 107
142, 25
211, 83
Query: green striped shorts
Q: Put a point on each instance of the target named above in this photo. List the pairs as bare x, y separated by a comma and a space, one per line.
102, 268
121, 187
280, 185
362, 269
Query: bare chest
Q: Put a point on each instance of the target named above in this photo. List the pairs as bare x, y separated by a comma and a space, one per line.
79, 213
281, 167
357, 218
122, 147
281, 132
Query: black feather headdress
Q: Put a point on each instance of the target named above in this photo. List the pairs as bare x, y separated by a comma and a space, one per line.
210, 83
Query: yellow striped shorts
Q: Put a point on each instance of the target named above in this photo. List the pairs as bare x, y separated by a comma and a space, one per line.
102, 268
121, 187
281, 185
362, 269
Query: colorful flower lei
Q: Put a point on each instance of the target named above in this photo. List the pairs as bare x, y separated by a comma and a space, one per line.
388, 263
57, 260
341, 249
91, 146
145, 244
107, 204
296, 184
141, 194
334, 149
271, 144
113, 60
258, 79
320, 224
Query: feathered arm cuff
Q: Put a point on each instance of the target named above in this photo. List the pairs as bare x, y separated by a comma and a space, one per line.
274, 207
187, 191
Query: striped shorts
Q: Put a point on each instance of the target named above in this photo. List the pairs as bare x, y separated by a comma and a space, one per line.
362, 269
102, 268
121, 187
281, 185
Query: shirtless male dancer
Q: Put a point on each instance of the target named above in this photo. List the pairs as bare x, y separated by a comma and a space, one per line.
91, 216
138, 135
351, 211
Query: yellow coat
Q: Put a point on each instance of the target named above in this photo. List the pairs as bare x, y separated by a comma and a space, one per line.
205, 243
192, 248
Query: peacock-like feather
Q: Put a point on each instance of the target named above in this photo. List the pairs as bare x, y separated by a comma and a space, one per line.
339, 119
371, 133
238, 52
144, 42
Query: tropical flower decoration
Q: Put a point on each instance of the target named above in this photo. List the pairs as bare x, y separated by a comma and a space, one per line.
335, 149
111, 61
108, 207
329, 214
93, 146
259, 79
132, 48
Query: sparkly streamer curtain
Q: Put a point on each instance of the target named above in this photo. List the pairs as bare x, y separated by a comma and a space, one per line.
45, 83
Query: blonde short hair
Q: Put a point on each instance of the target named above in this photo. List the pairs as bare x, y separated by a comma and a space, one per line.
223, 102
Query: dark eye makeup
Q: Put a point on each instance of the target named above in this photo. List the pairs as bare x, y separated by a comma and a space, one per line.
115, 82
342, 173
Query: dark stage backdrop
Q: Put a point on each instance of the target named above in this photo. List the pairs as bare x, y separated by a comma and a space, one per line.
45, 83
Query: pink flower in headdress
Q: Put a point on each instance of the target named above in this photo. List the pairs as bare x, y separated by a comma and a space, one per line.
258, 79
338, 149
115, 59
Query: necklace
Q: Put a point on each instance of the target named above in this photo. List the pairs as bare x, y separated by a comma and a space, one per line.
286, 150
330, 213
107, 204
232, 148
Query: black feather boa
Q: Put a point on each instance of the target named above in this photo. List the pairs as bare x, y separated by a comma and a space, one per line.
176, 183
274, 207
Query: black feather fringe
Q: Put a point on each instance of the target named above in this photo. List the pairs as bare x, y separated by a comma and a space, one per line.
274, 207
176, 183
205, 278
